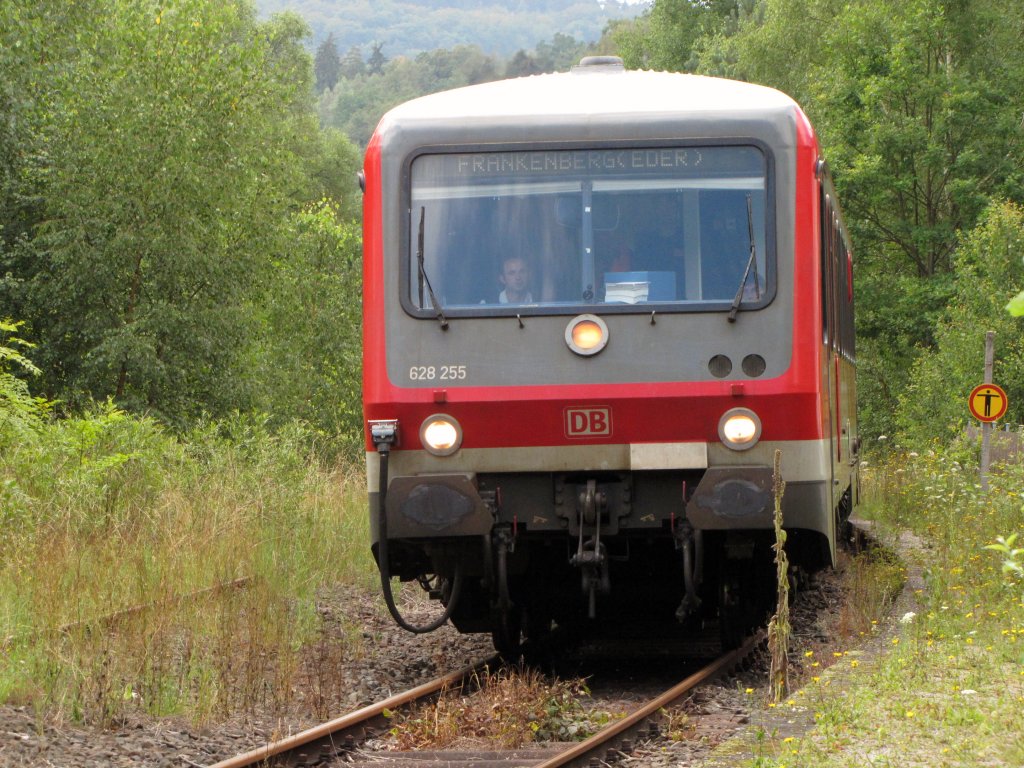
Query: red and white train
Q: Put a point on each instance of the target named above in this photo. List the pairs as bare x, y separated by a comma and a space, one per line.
596, 304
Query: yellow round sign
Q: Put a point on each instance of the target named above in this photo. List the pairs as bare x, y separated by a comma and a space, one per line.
987, 402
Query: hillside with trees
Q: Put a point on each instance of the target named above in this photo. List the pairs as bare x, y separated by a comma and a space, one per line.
355, 90
409, 27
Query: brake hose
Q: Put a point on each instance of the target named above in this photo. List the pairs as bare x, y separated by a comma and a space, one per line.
384, 449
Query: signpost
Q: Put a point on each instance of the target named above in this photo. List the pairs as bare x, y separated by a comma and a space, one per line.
987, 403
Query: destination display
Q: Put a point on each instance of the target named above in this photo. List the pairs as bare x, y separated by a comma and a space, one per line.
697, 161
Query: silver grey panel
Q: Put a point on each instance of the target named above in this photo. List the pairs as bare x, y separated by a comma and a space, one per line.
496, 351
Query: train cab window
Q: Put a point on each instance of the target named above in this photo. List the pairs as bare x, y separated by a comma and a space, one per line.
553, 231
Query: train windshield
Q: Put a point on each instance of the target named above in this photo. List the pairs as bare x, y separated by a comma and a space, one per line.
553, 231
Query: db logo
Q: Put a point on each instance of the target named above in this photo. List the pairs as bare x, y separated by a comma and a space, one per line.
588, 422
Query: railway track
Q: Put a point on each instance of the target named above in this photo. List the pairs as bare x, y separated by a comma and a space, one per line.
336, 742
107, 620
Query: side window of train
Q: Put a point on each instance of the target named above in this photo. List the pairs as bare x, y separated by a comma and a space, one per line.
826, 265
836, 280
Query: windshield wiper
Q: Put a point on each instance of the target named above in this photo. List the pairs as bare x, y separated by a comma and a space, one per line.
751, 263
423, 276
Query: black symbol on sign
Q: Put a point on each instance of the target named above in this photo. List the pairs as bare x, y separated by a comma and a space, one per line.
989, 396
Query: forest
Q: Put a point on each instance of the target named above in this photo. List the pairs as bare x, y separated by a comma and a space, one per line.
409, 27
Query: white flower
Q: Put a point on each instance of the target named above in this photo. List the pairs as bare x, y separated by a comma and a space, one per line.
907, 617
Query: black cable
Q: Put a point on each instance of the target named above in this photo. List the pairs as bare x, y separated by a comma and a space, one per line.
385, 564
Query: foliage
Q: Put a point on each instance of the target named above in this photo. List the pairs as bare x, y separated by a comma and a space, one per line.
779, 628
946, 687
313, 371
1014, 555
161, 190
670, 34
410, 27
327, 64
366, 92
159, 157
555, 55
514, 707
19, 411
988, 265
106, 511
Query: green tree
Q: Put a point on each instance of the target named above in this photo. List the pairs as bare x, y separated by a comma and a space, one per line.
327, 64
668, 35
375, 64
169, 170
988, 261
357, 104
310, 360
35, 53
522, 64
19, 411
352, 64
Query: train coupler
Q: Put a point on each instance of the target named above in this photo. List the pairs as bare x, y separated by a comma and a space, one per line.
591, 556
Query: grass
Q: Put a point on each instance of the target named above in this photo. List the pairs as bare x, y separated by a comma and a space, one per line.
106, 512
511, 707
948, 689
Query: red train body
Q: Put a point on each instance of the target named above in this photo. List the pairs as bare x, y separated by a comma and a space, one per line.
686, 231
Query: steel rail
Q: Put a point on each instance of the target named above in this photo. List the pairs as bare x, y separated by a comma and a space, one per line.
108, 619
580, 754
330, 736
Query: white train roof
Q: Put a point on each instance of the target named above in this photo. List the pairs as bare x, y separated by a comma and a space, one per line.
593, 90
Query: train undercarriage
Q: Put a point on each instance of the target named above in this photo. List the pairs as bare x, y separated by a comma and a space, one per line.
517, 555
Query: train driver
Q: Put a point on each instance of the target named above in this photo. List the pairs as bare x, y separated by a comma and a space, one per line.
515, 281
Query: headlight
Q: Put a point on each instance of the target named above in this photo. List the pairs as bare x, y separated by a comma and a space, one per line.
441, 434
739, 429
586, 334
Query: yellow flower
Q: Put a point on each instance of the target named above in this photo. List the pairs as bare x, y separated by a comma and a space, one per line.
808, 654
854, 663
909, 713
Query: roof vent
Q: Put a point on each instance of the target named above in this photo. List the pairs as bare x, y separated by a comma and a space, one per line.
599, 62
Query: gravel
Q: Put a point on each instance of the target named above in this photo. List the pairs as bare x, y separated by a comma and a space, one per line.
339, 676
388, 660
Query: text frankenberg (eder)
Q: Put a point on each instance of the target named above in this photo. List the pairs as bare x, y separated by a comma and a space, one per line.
575, 161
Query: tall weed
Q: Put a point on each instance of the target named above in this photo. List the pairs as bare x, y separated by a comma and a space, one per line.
106, 512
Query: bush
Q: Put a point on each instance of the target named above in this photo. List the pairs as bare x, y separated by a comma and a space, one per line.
990, 269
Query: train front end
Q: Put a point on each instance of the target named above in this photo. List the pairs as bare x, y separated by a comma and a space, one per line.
592, 317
